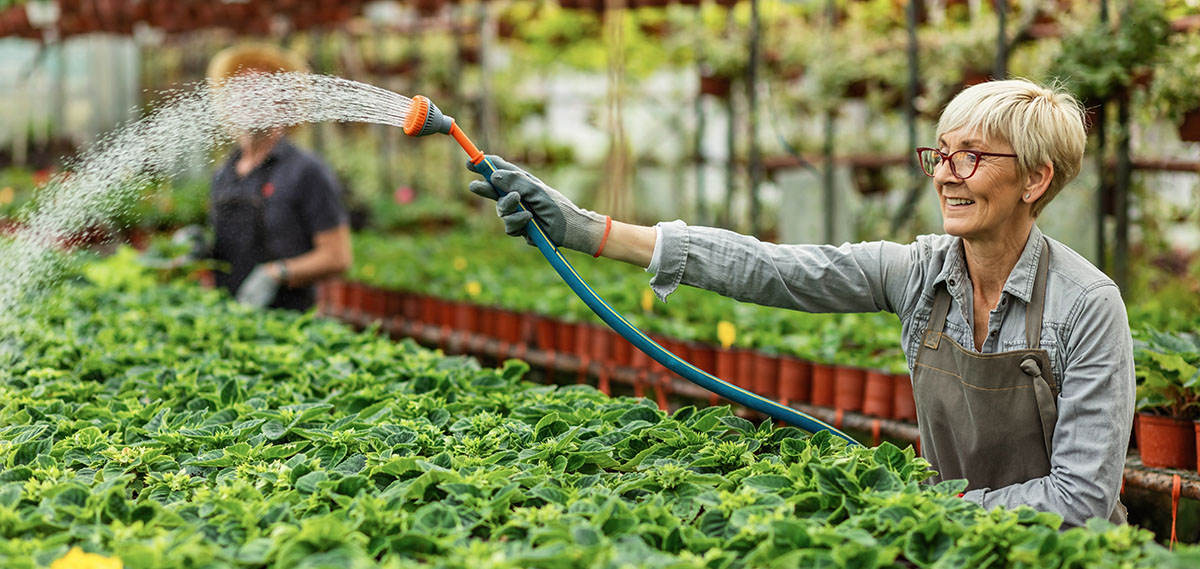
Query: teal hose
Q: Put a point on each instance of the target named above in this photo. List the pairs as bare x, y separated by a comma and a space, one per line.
643, 342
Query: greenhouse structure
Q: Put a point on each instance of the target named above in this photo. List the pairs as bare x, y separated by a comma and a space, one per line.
599, 284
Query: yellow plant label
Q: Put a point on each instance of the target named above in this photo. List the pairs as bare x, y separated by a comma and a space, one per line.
647, 300
76, 558
368, 270
726, 333
6, 195
473, 288
460, 264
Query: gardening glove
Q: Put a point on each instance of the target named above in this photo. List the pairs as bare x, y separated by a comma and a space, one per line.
259, 288
565, 224
194, 238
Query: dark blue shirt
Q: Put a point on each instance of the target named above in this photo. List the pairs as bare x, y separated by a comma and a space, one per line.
272, 213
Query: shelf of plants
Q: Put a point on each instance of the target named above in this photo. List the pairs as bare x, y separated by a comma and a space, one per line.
152, 425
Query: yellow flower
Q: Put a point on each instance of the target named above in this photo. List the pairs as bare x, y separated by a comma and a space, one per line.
726, 333
77, 559
647, 300
460, 264
6, 195
368, 270
473, 288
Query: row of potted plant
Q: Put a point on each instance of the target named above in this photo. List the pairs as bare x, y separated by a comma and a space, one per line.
1168, 399
783, 377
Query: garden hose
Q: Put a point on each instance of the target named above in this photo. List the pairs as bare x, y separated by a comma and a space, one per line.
424, 118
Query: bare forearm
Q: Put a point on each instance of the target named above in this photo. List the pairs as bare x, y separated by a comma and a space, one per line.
633, 244
330, 256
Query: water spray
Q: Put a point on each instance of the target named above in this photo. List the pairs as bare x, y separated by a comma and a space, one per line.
421, 118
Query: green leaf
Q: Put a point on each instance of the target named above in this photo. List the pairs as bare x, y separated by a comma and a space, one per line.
308, 483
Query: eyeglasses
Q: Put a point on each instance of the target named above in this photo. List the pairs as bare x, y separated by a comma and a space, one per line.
963, 163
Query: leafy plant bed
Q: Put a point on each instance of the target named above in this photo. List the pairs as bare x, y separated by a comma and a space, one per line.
164, 426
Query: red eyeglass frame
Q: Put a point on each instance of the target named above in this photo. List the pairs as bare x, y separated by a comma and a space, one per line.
947, 158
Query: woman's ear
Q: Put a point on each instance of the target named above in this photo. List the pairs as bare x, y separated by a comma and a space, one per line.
1037, 182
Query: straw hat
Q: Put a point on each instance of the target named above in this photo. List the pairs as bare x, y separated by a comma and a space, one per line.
254, 56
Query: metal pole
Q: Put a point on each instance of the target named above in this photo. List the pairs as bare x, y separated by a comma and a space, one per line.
731, 140
827, 150
1102, 173
1121, 196
916, 179
1000, 69
700, 163
755, 158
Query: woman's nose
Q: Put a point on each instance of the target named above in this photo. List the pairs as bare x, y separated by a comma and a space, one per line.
943, 174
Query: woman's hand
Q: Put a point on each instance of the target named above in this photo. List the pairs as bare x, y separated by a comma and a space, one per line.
565, 224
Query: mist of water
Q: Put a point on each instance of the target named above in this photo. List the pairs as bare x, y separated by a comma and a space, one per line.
106, 179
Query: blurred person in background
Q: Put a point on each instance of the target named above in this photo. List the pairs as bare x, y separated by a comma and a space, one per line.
276, 212
1020, 350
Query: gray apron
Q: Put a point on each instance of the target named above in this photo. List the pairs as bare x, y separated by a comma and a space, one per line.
988, 418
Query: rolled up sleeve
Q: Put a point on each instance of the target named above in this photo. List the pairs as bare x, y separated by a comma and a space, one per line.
1095, 414
862, 277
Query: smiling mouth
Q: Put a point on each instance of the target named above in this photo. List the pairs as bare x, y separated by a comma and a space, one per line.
959, 201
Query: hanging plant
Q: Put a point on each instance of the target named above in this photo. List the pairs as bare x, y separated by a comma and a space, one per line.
1100, 59
1174, 92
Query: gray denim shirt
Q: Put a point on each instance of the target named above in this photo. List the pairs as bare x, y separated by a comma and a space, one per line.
1085, 331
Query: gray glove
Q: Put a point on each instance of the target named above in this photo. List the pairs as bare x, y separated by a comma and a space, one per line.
259, 288
194, 237
565, 224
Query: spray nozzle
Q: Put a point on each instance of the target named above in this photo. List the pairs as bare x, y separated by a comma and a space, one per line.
424, 118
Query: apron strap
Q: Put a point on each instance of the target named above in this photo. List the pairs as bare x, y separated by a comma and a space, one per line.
1037, 301
937, 318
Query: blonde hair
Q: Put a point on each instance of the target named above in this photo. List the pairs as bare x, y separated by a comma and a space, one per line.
254, 56
1043, 125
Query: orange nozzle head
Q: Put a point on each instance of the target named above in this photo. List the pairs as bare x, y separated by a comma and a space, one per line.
417, 114
424, 118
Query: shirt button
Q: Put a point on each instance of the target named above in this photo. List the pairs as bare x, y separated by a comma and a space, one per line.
951, 281
993, 333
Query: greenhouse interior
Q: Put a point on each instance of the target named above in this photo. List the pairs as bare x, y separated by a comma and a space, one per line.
317, 283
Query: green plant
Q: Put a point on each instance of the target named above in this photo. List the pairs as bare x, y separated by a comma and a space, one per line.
1175, 88
1168, 373
1099, 59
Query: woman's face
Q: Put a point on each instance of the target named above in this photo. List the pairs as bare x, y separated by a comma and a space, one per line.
986, 205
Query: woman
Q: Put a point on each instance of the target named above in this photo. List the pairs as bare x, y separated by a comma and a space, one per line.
1020, 350
276, 210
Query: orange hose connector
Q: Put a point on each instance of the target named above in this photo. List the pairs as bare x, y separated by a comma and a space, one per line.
466, 144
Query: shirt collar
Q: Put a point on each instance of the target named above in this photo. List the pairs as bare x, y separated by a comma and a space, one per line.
1020, 280
281, 150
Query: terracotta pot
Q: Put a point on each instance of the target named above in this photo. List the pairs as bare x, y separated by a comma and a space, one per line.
599, 345
508, 326
848, 393
1189, 129
544, 330
445, 317
747, 362
354, 296
428, 309
583, 340
823, 382
336, 295
466, 316
564, 336
702, 356
727, 365
903, 405
393, 303
716, 85
374, 301
667, 345
620, 350
795, 380
878, 394
766, 375
1166, 442
411, 306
